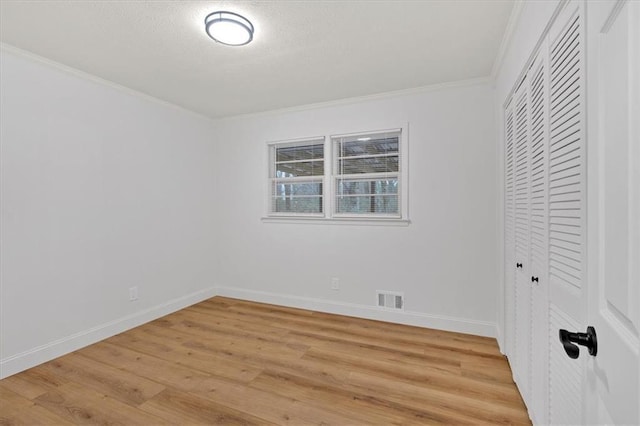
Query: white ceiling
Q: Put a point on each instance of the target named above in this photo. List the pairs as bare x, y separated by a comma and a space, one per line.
303, 51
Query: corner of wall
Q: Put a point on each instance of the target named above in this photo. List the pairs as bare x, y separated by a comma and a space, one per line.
506, 38
25, 360
419, 319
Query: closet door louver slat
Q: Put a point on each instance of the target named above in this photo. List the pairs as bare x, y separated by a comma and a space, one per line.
538, 198
566, 154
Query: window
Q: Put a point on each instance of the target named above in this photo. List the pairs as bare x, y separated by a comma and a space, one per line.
366, 174
297, 174
359, 176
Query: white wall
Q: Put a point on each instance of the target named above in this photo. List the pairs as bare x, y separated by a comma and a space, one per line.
444, 261
533, 19
101, 190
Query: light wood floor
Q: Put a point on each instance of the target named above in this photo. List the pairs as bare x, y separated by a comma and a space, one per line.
226, 361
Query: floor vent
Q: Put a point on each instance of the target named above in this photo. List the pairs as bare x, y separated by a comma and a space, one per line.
390, 299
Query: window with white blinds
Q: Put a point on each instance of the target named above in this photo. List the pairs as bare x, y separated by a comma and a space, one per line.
356, 176
367, 174
297, 175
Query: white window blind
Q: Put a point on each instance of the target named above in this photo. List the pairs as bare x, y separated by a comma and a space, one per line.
366, 174
297, 174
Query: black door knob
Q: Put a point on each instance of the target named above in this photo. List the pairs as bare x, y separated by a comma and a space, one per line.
534, 279
587, 339
519, 265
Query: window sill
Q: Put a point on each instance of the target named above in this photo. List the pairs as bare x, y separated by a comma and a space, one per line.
338, 220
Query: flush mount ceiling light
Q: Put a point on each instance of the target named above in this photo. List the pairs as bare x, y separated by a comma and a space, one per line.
229, 28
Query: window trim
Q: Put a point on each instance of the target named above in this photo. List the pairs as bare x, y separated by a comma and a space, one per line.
328, 215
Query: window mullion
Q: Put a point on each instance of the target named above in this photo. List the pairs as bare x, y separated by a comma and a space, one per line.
329, 186
286, 180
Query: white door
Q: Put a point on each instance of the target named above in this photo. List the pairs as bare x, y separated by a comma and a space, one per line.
509, 234
614, 211
538, 241
522, 292
566, 205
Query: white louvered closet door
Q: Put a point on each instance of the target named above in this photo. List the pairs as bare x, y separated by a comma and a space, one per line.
545, 221
538, 235
522, 291
567, 301
509, 232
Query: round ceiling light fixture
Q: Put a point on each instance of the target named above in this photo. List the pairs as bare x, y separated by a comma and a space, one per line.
229, 28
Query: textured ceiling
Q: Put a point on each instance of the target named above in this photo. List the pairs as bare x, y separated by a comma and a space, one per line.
303, 51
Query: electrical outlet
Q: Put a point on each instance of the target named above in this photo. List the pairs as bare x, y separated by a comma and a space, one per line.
335, 283
133, 293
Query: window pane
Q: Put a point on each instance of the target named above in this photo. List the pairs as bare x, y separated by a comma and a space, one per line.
292, 191
281, 189
379, 144
303, 168
297, 204
304, 152
368, 165
386, 204
373, 187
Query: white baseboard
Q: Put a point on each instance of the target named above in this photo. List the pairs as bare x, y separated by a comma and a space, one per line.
38, 355
22, 361
500, 339
440, 322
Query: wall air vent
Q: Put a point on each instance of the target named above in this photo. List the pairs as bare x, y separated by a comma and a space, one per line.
390, 299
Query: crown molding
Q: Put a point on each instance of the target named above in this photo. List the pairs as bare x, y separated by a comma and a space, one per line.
4, 47
359, 99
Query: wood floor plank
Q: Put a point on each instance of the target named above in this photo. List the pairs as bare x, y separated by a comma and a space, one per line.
34, 382
481, 410
9, 398
407, 349
223, 345
221, 362
183, 407
269, 405
431, 378
342, 329
168, 373
113, 382
229, 361
315, 376
487, 369
203, 327
362, 406
81, 405
18, 410
229, 324
397, 354
376, 329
